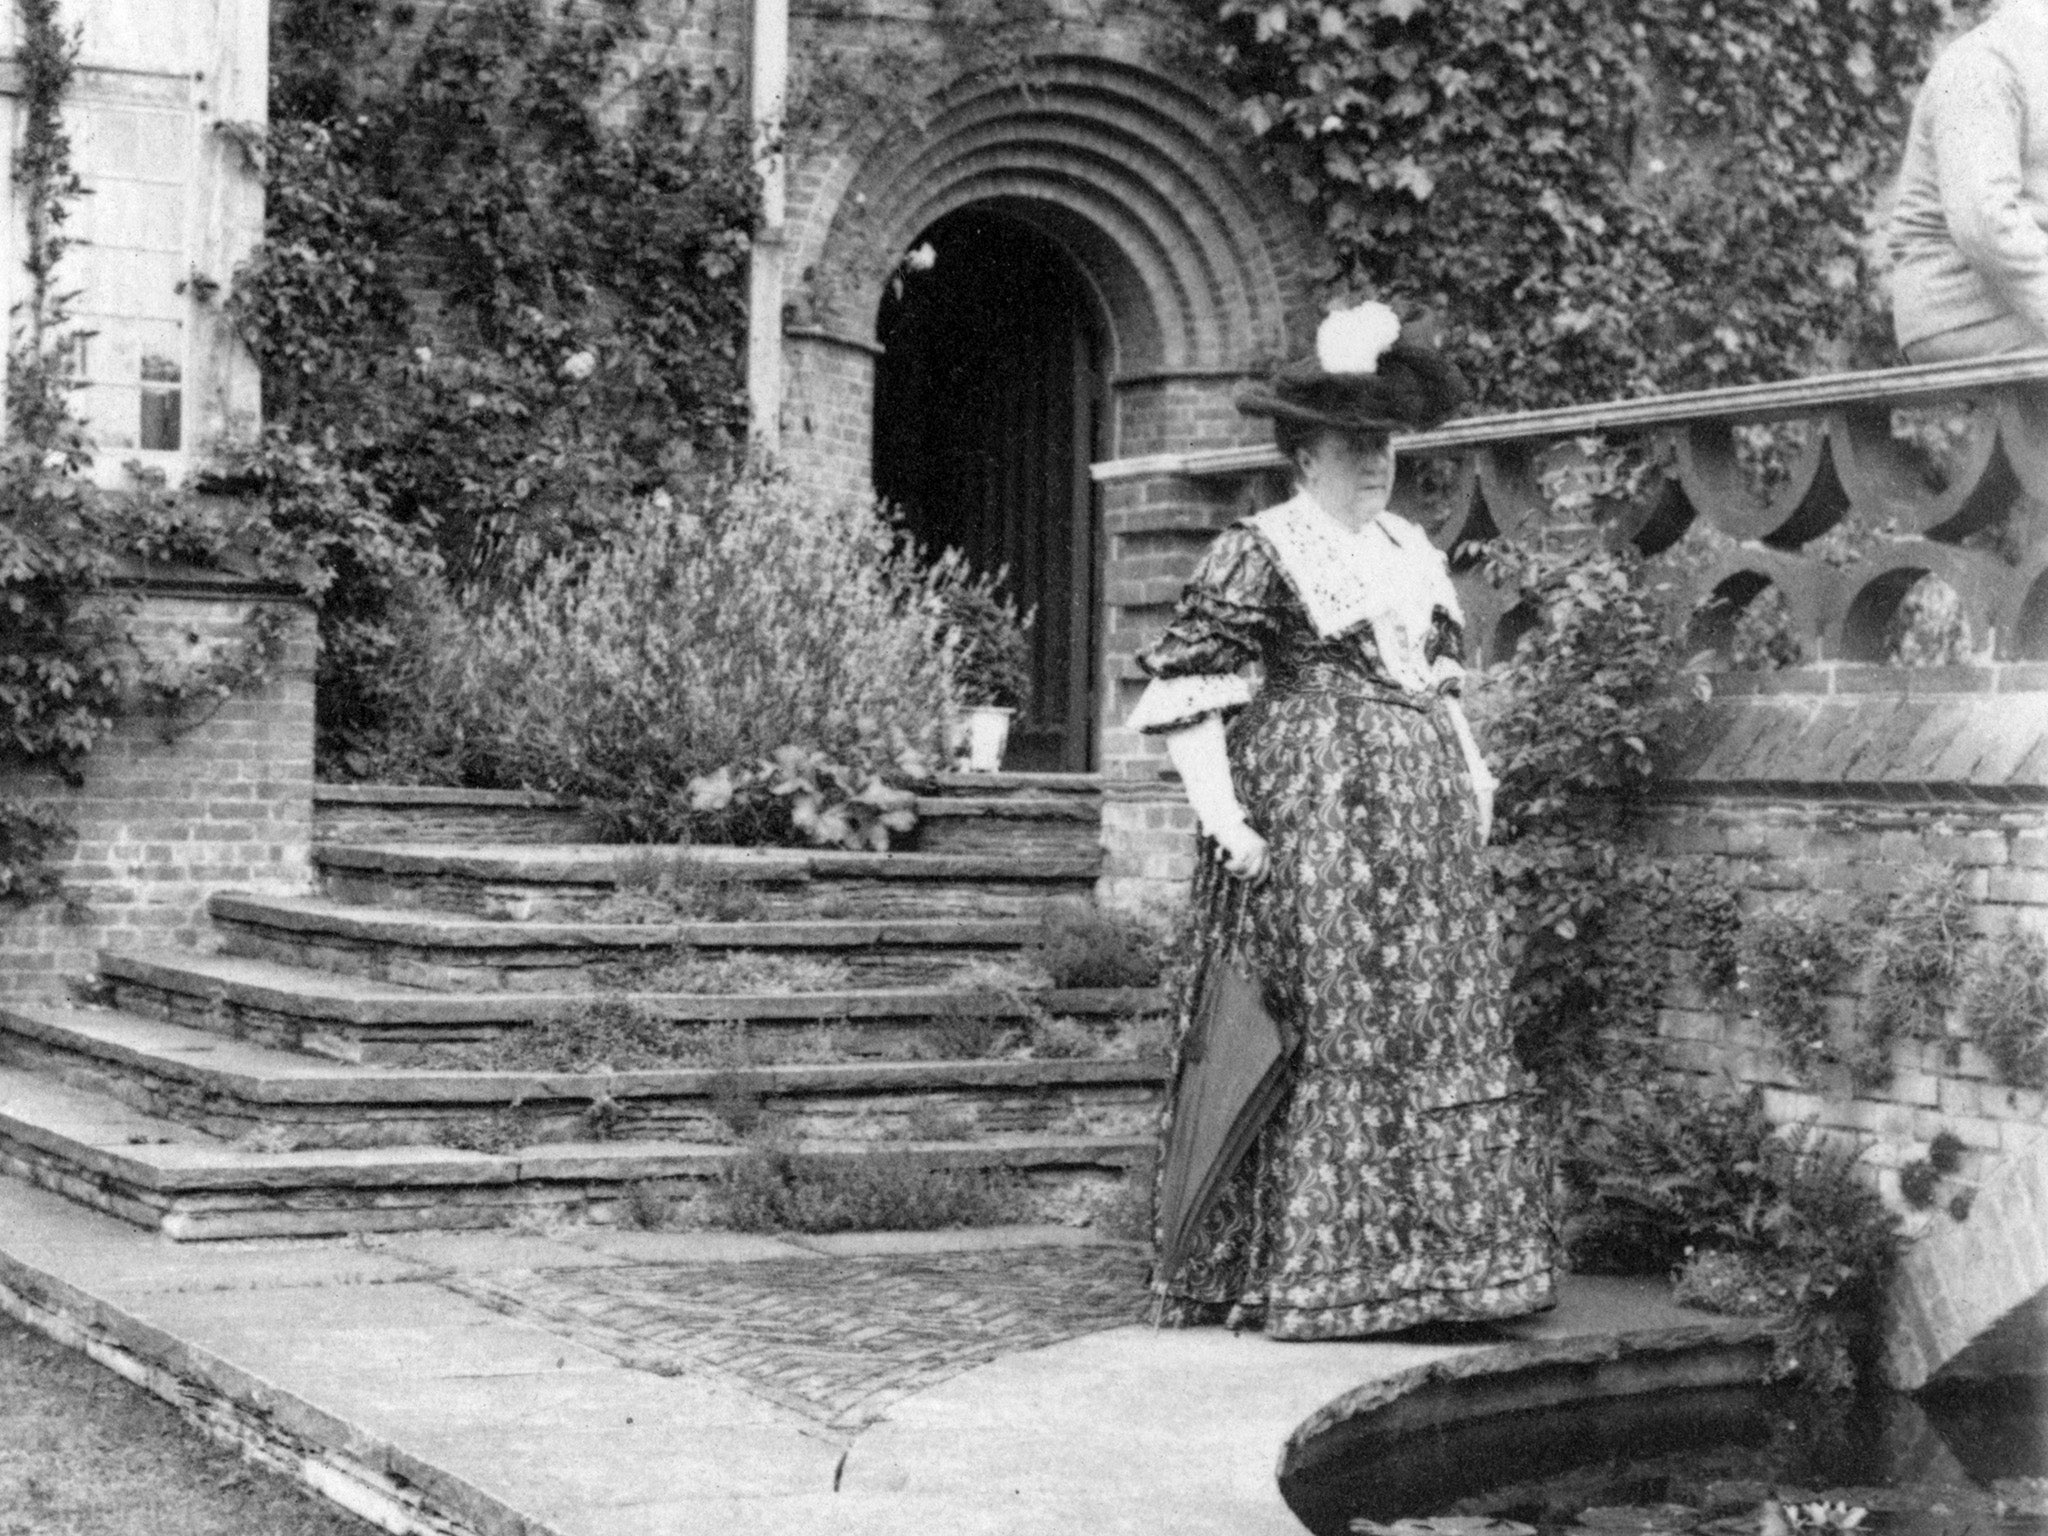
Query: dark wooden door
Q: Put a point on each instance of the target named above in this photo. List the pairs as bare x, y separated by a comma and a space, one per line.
988, 401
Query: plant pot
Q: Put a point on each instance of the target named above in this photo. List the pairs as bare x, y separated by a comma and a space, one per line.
988, 733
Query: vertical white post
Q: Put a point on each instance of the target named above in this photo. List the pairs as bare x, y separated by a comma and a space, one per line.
768, 84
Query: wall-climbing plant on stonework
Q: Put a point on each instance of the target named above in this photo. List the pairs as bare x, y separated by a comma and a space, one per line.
501, 292
69, 662
1602, 197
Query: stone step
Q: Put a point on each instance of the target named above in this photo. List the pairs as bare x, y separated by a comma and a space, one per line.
1029, 826
239, 1091
575, 882
432, 813
451, 952
958, 812
171, 1178
354, 1019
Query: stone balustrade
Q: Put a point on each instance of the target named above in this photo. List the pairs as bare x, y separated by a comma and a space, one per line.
1840, 493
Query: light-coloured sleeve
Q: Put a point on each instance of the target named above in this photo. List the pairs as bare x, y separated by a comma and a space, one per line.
1977, 117
1168, 703
1225, 613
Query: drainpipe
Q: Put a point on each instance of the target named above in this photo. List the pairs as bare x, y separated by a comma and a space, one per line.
768, 84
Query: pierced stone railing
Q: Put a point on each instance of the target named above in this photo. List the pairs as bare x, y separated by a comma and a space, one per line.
1848, 521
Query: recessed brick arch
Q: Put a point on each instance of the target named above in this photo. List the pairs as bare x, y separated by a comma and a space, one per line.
1197, 267
1200, 262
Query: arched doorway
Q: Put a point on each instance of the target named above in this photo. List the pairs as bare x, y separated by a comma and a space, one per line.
988, 411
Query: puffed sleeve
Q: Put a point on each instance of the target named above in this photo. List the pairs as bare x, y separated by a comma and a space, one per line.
1225, 612
1444, 650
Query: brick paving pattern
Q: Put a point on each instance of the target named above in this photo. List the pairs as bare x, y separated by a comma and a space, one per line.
837, 1341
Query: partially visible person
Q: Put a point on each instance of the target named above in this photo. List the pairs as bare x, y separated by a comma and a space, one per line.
1969, 232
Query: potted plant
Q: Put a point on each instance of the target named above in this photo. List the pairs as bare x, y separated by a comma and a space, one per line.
991, 648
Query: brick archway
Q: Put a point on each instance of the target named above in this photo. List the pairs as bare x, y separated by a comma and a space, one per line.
1195, 263
1198, 261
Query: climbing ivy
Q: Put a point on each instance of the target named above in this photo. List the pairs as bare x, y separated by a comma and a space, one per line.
69, 660
501, 292
1601, 197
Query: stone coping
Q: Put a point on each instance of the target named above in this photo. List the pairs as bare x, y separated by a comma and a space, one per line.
441, 796
157, 579
599, 863
258, 1074
450, 930
951, 786
1893, 737
1913, 384
328, 995
1863, 678
1523, 1375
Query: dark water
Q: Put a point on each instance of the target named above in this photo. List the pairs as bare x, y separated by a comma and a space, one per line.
1706, 1463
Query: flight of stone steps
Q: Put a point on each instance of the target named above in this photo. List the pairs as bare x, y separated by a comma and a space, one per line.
402, 1048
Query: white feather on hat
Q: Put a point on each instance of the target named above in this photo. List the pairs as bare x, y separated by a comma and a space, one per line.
1351, 340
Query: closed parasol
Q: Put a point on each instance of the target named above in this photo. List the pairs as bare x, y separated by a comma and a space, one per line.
1233, 1072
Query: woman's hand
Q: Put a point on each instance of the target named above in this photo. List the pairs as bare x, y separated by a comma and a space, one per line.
1484, 791
1245, 854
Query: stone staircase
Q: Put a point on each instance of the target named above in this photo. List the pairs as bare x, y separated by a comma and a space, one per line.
434, 1038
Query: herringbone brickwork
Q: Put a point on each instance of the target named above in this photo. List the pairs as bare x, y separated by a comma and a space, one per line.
839, 1340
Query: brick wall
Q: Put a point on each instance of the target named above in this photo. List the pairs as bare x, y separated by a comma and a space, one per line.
1825, 854
1148, 848
1155, 530
828, 412
161, 824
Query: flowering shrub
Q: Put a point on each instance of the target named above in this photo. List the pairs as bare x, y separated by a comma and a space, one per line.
500, 293
754, 667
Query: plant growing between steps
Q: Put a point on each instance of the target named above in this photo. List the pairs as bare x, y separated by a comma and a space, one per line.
773, 1189
649, 889
686, 968
1083, 946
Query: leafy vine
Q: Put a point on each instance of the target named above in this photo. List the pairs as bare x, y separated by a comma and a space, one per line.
500, 295
1605, 198
70, 660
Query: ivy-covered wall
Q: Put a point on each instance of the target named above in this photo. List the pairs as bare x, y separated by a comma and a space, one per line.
173, 806
1602, 197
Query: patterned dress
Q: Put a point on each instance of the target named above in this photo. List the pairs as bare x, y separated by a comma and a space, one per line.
1402, 1179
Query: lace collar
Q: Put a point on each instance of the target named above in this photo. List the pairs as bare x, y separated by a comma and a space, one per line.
1388, 576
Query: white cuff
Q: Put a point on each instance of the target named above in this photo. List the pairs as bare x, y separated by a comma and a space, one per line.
1169, 703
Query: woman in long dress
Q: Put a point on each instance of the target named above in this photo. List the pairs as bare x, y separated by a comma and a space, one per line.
1344, 809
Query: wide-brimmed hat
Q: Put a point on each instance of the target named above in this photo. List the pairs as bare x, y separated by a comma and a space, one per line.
1367, 374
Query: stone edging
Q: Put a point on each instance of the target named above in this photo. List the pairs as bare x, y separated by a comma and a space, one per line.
367, 1476
440, 796
1524, 1375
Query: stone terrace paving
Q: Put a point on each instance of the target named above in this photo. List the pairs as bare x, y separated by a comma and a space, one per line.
587, 1382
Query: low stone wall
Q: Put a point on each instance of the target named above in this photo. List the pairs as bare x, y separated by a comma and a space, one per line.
225, 804
1822, 787
1828, 854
